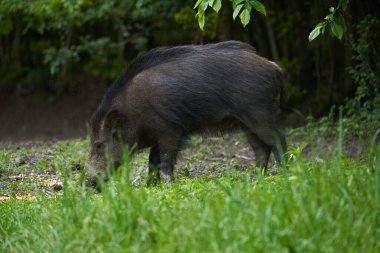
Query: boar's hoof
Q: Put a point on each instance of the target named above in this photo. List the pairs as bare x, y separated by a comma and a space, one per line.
166, 178
93, 183
152, 181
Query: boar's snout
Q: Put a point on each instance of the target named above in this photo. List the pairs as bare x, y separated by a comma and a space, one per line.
92, 175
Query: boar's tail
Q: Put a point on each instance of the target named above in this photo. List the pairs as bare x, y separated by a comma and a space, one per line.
283, 92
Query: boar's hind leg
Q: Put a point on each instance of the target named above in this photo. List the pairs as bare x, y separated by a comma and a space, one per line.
168, 146
154, 165
275, 139
262, 151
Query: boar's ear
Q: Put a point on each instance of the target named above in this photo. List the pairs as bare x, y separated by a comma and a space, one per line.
112, 120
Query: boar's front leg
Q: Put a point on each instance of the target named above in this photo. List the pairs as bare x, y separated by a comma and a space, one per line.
168, 146
154, 165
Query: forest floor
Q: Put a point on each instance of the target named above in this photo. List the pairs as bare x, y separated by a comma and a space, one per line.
35, 167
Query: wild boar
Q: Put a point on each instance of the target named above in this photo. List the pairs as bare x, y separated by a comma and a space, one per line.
168, 94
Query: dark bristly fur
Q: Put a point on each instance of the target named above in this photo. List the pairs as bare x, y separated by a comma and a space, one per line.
141, 63
167, 94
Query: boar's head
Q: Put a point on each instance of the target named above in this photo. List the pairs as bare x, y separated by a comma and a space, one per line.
105, 145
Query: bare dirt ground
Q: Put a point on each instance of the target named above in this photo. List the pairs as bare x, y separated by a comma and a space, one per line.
37, 172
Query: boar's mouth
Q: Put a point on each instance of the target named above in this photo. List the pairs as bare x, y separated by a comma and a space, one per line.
93, 177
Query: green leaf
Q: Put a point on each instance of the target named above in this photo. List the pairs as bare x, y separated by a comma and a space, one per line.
315, 33
203, 5
320, 24
245, 17
211, 2
259, 7
237, 11
201, 20
329, 17
217, 5
336, 29
197, 3
248, 6
340, 20
236, 3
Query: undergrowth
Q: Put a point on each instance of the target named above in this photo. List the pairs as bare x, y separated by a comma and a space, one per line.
316, 205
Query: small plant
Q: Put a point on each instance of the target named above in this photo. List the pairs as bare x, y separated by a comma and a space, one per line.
364, 108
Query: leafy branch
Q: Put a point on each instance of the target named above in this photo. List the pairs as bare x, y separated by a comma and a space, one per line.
333, 21
242, 7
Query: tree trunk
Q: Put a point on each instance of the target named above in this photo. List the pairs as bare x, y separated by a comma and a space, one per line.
225, 22
272, 40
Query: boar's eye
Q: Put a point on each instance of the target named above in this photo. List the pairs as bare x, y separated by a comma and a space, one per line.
99, 146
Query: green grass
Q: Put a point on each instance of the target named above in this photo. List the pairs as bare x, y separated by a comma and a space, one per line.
317, 205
